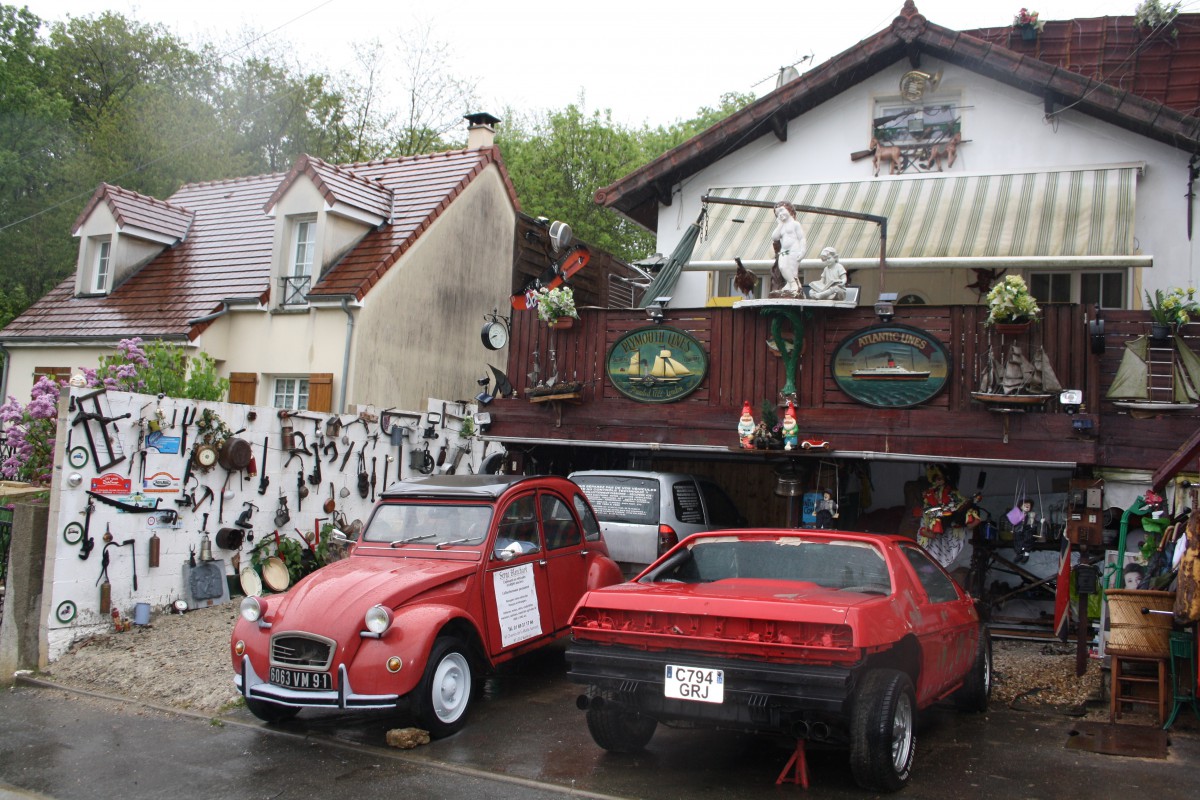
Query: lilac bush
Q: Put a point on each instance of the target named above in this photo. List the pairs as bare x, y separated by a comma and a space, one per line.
119, 373
30, 432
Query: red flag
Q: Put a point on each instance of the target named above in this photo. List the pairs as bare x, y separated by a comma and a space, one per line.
1062, 591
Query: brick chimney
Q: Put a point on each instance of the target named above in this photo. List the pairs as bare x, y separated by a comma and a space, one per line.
481, 130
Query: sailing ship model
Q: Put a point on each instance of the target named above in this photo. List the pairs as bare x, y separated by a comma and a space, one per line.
1017, 380
1159, 378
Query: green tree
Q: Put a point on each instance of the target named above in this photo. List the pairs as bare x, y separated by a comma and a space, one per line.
558, 161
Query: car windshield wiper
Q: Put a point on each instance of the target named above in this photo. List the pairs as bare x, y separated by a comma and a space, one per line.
412, 539
440, 545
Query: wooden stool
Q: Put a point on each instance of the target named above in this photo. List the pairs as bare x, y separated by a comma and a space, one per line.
1131, 672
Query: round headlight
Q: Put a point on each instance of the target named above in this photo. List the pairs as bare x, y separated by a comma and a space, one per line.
378, 619
251, 609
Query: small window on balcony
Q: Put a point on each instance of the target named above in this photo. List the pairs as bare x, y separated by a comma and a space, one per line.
100, 266
298, 280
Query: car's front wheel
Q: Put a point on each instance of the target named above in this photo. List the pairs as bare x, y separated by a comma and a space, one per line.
883, 736
618, 730
446, 688
270, 713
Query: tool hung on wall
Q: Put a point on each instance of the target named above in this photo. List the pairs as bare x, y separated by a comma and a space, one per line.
243, 520
87, 543
264, 481
364, 487
110, 457
314, 477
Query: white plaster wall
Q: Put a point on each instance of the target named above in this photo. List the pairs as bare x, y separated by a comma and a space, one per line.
24, 360
1007, 131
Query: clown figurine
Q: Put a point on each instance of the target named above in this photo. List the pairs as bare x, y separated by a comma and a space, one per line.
746, 427
791, 431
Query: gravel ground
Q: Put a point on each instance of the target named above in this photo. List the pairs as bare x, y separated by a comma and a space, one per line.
183, 661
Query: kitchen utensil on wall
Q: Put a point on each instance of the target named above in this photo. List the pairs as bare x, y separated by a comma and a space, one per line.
331, 503
243, 520
230, 538
235, 454
301, 490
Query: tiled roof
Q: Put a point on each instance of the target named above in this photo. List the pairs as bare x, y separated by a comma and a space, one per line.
638, 194
338, 185
423, 188
133, 210
227, 254
1158, 66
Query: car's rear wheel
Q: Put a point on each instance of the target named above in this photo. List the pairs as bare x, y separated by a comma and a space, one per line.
618, 730
977, 688
270, 713
883, 736
446, 689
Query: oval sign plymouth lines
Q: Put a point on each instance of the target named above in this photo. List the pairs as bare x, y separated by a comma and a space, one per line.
891, 366
656, 364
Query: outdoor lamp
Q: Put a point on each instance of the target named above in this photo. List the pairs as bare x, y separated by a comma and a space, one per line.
1071, 400
656, 311
885, 306
484, 397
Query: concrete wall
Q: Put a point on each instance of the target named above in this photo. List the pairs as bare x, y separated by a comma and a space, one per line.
418, 333
1008, 131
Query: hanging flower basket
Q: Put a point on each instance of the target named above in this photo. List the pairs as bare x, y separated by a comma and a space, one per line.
1011, 328
1010, 303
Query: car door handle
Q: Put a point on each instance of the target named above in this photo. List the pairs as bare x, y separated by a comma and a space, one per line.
541, 562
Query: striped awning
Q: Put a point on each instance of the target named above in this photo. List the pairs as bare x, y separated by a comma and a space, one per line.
1085, 212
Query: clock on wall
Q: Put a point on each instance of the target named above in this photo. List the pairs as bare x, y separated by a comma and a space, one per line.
494, 335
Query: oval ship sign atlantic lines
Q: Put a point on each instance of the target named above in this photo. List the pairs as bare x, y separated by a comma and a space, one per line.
891, 366
656, 364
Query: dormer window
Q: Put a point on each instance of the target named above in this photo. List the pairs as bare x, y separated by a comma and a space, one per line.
303, 251
100, 268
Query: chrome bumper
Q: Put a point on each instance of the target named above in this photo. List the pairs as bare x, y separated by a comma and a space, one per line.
253, 687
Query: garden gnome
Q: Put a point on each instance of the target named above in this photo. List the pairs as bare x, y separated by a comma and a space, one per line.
791, 430
746, 427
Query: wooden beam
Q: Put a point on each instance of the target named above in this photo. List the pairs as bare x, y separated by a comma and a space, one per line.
1188, 451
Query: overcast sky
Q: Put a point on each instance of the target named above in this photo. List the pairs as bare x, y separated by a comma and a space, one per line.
649, 61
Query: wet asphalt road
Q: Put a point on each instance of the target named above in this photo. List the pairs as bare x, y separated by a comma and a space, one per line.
527, 740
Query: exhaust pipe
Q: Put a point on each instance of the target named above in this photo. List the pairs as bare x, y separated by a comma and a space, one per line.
800, 729
819, 731
583, 702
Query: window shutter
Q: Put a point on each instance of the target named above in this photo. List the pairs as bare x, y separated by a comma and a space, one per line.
320, 391
243, 387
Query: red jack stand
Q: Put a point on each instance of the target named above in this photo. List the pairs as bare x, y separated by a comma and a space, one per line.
799, 763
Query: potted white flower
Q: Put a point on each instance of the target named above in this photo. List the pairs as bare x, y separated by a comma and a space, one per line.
556, 307
1010, 305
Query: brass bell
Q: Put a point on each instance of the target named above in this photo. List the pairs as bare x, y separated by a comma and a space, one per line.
206, 548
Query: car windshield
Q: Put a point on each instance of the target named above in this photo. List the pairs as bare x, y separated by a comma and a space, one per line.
843, 565
429, 524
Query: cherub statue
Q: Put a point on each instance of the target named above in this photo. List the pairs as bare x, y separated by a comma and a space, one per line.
792, 243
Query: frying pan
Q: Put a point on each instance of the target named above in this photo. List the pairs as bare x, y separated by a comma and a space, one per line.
331, 503
275, 574
235, 454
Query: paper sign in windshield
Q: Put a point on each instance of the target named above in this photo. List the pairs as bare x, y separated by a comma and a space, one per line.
517, 604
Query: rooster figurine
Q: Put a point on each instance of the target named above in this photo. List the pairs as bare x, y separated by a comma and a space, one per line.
984, 278
744, 280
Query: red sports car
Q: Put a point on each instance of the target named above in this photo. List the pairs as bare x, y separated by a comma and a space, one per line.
827, 636
451, 575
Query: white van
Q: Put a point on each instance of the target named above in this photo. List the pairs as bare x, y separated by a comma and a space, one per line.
643, 514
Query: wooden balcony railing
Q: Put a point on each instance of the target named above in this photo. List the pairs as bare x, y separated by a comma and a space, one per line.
743, 368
